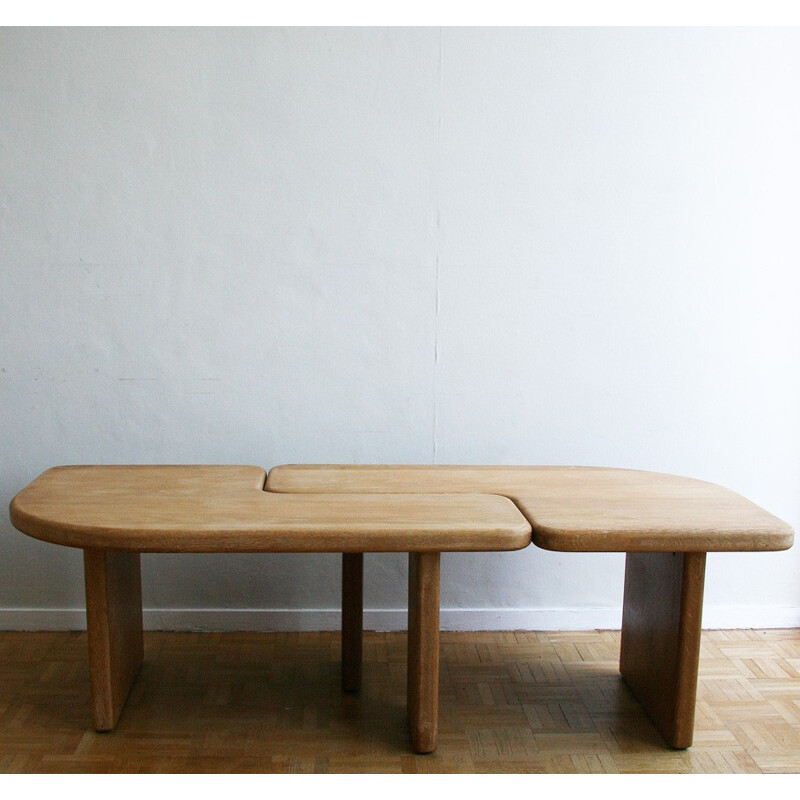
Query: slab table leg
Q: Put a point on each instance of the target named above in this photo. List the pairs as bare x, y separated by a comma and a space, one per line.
423, 649
660, 649
114, 626
352, 619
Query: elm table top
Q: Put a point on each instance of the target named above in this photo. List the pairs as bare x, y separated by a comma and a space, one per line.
588, 509
226, 509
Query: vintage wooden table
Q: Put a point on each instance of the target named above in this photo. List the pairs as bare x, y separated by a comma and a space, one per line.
664, 523
114, 513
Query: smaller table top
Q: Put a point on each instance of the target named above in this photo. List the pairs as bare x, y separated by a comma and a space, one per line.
590, 509
226, 509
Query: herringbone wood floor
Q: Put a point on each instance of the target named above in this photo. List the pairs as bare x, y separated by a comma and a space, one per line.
509, 702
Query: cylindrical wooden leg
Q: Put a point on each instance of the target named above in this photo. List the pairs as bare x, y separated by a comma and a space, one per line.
352, 619
661, 624
114, 626
423, 650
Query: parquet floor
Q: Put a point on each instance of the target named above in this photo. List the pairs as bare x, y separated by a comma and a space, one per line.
509, 702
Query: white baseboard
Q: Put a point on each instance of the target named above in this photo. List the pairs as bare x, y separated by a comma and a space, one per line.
451, 619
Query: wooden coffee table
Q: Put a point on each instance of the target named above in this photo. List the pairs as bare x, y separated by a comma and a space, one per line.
114, 513
665, 524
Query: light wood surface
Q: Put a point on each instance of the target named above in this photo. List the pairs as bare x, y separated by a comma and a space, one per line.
225, 509
588, 509
665, 524
423, 650
117, 512
660, 641
509, 702
660, 520
114, 626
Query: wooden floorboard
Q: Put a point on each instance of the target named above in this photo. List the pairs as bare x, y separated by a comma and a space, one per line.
509, 702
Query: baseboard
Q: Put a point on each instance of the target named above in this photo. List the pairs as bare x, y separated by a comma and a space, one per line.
451, 619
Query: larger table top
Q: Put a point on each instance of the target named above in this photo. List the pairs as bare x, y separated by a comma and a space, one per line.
590, 509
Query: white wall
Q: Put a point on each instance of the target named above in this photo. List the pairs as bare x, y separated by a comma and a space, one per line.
535, 246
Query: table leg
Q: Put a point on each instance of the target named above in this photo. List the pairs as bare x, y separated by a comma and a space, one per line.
114, 624
423, 649
661, 624
352, 619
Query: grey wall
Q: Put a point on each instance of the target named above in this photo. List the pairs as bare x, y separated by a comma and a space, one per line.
534, 246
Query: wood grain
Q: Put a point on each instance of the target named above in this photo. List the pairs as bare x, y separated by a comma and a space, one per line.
423, 650
588, 509
116, 512
114, 625
128, 509
661, 626
508, 702
224, 509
